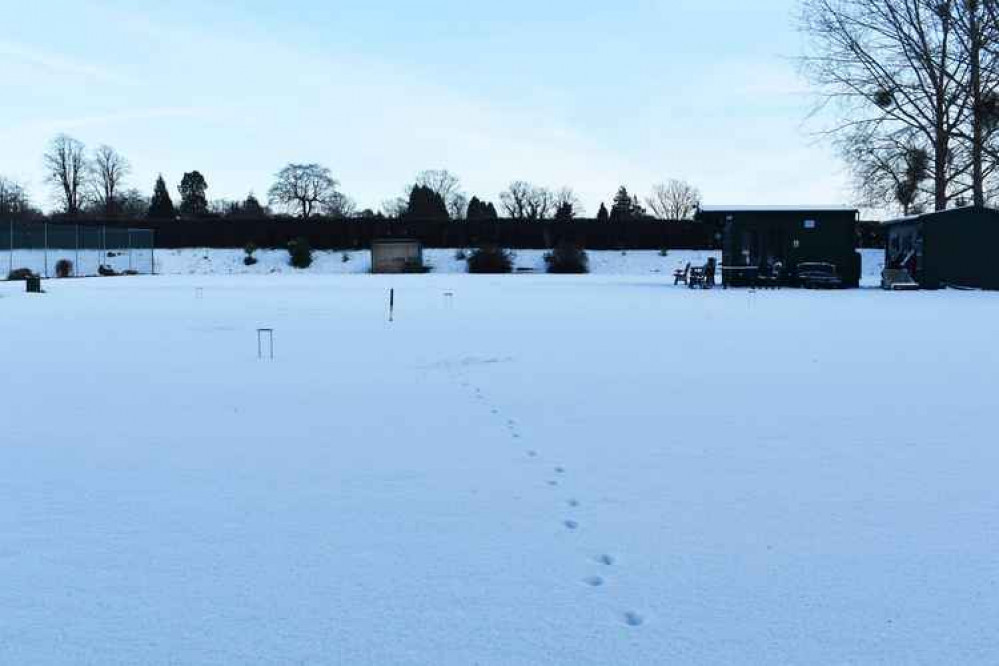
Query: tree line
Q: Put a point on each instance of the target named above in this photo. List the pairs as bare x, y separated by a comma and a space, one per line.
95, 184
912, 88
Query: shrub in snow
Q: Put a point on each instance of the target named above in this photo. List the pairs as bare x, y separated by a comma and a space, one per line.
461, 255
664, 252
249, 259
567, 258
20, 274
345, 257
300, 253
490, 259
64, 268
106, 271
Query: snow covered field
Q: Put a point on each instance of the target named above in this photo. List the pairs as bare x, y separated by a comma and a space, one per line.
542, 470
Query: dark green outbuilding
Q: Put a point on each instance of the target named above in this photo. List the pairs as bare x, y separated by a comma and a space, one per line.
956, 248
777, 240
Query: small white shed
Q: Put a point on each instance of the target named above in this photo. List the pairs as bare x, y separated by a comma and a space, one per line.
396, 255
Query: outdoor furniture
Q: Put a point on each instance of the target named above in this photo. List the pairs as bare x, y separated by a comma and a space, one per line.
898, 279
681, 275
702, 277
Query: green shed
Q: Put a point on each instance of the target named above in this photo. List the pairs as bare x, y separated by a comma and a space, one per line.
957, 248
775, 241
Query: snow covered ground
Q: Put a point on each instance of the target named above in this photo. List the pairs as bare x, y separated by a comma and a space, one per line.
633, 262
540, 470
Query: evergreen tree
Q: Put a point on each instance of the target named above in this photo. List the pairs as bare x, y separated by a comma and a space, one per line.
623, 206
425, 204
193, 202
565, 212
602, 214
161, 206
252, 207
479, 210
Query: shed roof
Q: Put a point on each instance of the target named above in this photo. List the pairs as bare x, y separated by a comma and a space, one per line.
778, 209
938, 214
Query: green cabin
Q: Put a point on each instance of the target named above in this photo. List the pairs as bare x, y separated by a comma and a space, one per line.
951, 248
774, 241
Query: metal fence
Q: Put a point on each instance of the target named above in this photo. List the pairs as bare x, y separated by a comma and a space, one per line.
89, 250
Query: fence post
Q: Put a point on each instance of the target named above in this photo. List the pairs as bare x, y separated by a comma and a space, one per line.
45, 254
129, 236
152, 249
10, 258
76, 266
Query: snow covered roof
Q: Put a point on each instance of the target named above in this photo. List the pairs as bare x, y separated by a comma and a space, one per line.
922, 216
778, 209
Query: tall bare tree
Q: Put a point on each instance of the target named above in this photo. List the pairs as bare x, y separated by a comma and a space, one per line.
892, 71
67, 171
303, 189
524, 201
13, 198
977, 29
674, 200
109, 169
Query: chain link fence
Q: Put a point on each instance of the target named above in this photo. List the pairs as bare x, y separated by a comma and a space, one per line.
75, 250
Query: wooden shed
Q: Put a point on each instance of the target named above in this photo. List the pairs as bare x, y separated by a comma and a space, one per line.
397, 255
775, 241
956, 248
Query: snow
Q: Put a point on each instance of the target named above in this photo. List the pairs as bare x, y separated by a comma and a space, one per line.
630, 263
600, 469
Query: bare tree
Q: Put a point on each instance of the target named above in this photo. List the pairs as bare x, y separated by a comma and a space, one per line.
524, 201
448, 186
13, 198
109, 170
674, 200
977, 30
566, 199
339, 205
892, 71
67, 169
303, 189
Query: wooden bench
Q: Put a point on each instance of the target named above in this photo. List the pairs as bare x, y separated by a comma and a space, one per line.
681, 275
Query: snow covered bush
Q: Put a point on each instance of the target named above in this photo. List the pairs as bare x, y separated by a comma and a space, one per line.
490, 259
64, 268
20, 274
567, 258
300, 253
249, 259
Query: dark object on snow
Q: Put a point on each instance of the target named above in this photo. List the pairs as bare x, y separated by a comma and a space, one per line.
681, 275
754, 240
64, 268
703, 277
20, 274
817, 275
567, 258
300, 253
33, 285
490, 259
898, 279
952, 248
106, 271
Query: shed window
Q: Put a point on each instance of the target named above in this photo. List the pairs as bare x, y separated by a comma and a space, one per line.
810, 224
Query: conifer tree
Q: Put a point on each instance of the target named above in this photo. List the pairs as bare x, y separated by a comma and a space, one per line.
161, 206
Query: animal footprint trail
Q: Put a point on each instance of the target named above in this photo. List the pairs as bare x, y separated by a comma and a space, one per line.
633, 619
594, 581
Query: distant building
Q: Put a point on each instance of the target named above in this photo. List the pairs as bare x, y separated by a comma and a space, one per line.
772, 242
396, 255
957, 248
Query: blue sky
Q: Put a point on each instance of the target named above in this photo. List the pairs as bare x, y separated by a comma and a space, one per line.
592, 95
